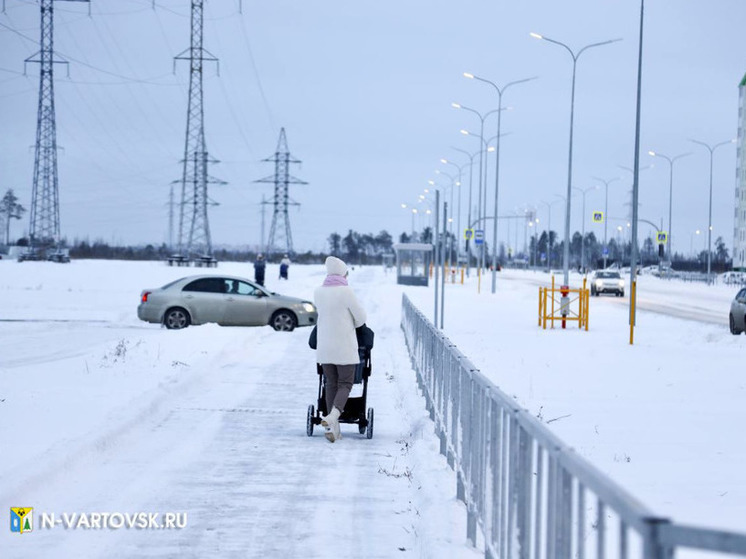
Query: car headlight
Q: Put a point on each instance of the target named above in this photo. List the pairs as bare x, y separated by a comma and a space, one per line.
309, 307
599, 283
621, 283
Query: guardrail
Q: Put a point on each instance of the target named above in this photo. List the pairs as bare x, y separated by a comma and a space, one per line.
528, 493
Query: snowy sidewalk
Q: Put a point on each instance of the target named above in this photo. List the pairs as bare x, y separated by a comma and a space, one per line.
222, 437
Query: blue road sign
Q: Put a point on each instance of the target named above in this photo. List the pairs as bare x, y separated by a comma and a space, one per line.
478, 236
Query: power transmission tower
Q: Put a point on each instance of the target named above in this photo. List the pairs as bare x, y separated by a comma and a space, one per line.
44, 228
171, 217
280, 222
263, 204
194, 228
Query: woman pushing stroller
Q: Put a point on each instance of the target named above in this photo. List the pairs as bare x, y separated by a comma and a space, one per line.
340, 313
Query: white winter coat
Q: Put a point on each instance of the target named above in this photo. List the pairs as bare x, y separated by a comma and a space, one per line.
339, 314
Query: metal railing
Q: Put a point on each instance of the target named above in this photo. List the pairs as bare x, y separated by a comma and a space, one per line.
529, 494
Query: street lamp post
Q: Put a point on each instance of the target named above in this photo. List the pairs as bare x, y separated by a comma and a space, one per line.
468, 210
549, 234
575, 57
500, 91
711, 149
691, 241
536, 238
454, 183
481, 211
549, 230
606, 213
671, 161
414, 212
458, 217
431, 211
582, 234
448, 225
481, 159
534, 225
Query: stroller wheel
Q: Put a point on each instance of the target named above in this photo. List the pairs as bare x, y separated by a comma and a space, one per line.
309, 420
361, 428
369, 430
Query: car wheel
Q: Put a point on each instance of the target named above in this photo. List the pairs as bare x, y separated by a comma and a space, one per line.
621, 293
593, 291
176, 319
283, 321
732, 323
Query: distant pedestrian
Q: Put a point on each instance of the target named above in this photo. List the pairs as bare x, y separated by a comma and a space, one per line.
259, 266
284, 265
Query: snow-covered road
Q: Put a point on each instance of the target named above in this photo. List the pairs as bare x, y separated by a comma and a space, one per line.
690, 301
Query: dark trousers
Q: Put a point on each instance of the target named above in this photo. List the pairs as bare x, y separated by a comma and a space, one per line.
339, 379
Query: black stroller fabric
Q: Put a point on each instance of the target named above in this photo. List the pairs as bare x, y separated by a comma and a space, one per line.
364, 334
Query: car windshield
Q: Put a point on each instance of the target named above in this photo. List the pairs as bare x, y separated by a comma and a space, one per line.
608, 275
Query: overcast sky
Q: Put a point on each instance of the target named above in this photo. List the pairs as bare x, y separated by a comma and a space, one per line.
364, 91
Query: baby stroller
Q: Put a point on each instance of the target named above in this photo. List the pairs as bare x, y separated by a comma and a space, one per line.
355, 408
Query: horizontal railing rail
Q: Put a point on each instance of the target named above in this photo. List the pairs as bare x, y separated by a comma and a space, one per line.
529, 494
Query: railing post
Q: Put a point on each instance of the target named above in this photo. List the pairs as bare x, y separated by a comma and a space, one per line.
653, 546
470, 481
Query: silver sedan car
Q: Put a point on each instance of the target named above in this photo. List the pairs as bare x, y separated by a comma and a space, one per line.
226, 300
737, 317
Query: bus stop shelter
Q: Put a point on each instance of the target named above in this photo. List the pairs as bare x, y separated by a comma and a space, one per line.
413, 263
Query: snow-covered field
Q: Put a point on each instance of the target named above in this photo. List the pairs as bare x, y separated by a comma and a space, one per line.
100, 412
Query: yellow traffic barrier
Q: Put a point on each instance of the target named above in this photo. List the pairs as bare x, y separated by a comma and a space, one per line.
564, 304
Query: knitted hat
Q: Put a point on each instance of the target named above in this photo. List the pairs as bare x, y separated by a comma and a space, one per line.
335, 267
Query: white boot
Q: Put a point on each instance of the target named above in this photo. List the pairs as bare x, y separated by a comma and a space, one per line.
331, 425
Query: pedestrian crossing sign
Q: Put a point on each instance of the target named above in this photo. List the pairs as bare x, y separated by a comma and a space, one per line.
662, 237
468, 234
598, 217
